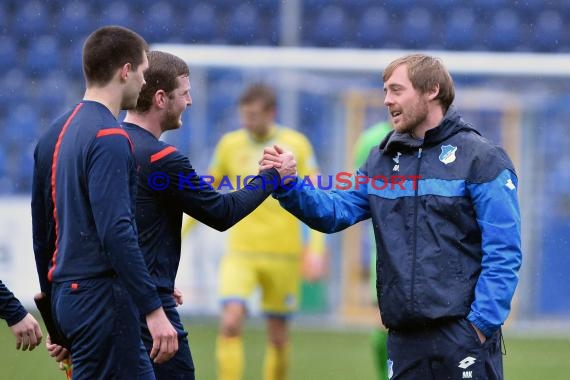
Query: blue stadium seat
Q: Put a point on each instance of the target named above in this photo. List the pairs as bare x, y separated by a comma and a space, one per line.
416, 29
374, 28
158, 24
117, 13
243, 26
314, 6
3, 164
459, 31
13, 89
400, 7
142, 4
74, 21
269, 6
4, 16
330, 27
504, 33
200, 24
440, 6
52, 94
73, 60
9, 56
549, 32
563, 5
530, 8
22, 124
32, 19
488, 6
359, 7
22, 178
42, 57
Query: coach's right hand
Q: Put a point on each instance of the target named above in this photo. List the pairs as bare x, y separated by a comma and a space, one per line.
164, 336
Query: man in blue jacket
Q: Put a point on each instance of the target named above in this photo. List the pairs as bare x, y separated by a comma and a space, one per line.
443, 201
85, 239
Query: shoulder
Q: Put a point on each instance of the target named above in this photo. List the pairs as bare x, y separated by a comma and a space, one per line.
487, 160
234, 137
162, 152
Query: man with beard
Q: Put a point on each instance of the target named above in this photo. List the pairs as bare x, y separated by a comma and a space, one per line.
168, 186
448, 244
85, 240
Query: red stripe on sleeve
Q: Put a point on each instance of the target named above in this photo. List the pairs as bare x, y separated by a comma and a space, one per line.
115, 131
163, 153
53, 190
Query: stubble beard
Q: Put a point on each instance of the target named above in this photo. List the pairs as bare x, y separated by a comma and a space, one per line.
413, 118
171, 121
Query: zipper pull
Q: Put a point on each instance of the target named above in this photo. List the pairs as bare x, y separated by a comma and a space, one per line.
420, 153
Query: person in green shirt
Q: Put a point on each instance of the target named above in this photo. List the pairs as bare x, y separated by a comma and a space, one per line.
368, 140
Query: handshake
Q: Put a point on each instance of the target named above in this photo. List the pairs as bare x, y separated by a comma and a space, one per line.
283, 162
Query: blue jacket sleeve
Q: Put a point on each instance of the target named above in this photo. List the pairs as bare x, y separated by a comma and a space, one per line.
200, 200
498, 216
111, 180
323, 211
11, 309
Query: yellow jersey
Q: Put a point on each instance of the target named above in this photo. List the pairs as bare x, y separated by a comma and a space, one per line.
269, 229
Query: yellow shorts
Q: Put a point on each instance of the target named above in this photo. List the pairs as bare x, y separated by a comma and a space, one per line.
278, 276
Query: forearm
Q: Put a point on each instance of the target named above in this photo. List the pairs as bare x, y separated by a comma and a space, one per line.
326, 212
11, 309
222, 211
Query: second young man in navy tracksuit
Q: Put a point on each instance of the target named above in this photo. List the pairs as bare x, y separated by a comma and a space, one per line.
168, 186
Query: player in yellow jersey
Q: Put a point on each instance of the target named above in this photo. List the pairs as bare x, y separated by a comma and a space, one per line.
265, 249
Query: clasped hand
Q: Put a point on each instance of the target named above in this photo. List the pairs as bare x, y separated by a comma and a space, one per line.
284, 162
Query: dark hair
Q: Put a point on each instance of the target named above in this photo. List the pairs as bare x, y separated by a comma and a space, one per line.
425, 73
163, 69
109, 48
260, 92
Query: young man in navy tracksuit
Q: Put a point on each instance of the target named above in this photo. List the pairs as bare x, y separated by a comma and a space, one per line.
448, 239
168, 186
85, 239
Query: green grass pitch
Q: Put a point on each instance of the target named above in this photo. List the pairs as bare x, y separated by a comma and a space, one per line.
317, 353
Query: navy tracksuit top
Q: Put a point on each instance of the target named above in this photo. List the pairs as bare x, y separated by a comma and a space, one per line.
85, 163
168, 186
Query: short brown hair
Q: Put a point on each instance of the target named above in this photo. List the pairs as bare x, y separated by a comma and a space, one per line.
425, 73
108, 49
163, 69
262, 92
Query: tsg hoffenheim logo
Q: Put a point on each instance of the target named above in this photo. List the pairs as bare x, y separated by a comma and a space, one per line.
447, 155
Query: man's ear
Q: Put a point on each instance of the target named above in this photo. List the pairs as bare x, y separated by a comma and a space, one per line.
160, 98
124, 73
434, 92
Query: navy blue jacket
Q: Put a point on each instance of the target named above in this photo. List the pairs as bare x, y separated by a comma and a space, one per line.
168, 186
91, 230
11, 309
448, 246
